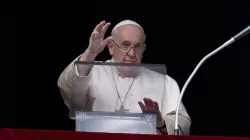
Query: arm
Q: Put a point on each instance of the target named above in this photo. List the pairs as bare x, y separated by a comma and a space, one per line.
184, 124
74, 80
169, 107
168, 128
165, 121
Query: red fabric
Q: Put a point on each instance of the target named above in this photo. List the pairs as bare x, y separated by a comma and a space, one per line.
15, 134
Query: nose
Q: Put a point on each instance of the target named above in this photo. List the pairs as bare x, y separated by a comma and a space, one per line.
131, 52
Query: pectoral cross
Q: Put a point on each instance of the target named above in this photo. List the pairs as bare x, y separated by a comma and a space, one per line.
122, 109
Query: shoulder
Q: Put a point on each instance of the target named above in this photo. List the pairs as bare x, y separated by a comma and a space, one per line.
171, 81
158, 76
172, 84
153, 74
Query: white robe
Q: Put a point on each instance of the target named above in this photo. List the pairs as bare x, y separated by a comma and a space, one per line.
98, 91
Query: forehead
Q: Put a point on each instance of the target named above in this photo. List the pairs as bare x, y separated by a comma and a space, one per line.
130, 33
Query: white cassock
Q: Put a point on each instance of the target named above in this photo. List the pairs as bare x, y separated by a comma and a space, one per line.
103, 86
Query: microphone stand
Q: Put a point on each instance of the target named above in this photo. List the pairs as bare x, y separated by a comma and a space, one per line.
230, 41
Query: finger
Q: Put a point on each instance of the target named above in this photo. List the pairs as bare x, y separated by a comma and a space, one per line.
105, 28
156, 105
148, 102
94, 34
99, 26
143, 107
158, 109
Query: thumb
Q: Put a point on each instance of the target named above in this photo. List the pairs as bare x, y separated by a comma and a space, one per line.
107, 40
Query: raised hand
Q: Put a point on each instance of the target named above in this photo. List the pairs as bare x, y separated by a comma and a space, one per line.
97, 42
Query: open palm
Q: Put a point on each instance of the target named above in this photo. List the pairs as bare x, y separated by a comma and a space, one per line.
97, 42
150, 107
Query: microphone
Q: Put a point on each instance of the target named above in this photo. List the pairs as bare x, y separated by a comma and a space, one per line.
242, 33
230, 41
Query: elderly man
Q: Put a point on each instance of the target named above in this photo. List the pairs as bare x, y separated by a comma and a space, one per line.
94, 83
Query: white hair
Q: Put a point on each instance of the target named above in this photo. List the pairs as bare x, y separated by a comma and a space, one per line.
127, 22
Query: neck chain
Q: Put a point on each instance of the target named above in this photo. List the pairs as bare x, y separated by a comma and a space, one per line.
122, 108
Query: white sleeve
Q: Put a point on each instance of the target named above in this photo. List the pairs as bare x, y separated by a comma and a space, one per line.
184, 124
71, 83
171, 98
169, 108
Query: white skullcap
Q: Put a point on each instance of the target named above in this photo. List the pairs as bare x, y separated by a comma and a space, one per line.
127, 22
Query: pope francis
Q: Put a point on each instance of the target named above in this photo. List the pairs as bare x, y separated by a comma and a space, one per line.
134, 90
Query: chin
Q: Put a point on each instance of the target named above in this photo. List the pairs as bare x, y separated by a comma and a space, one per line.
128, 71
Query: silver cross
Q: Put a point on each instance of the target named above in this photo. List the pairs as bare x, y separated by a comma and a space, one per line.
122, 109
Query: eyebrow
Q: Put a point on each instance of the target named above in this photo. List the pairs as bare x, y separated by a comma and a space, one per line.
126, 41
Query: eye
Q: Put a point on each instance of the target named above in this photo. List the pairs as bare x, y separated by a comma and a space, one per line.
126, 44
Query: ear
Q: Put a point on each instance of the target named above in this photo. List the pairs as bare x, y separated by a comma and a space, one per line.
145, 46
111, 48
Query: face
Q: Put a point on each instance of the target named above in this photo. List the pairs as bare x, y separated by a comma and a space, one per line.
128, 44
